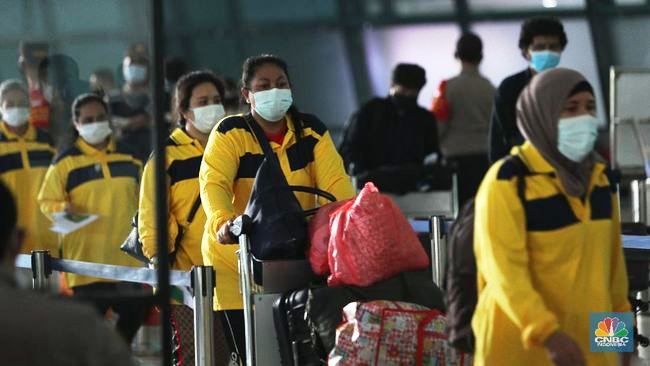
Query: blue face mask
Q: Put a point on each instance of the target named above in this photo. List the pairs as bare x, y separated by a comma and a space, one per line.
273, 104
577, 136
135, 73
544, 60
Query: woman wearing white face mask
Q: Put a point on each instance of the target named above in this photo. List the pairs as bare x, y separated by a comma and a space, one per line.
199, 104
548, 236
95, 176
307, 156
25, 154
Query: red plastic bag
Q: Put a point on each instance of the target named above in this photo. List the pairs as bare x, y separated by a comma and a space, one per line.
371, 241
319, 237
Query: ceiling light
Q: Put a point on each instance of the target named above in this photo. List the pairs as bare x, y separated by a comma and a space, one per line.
549, 3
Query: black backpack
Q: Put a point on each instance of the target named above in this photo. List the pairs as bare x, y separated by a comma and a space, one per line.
279, 224
461, 293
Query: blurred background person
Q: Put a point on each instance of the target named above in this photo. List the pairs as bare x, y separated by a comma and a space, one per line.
62, 75
463, 109
30, 57
541, 42
388, 139
131, 109
96, 176
200, 106
231, 101
175, 67
39, 330
102, 82
25, 154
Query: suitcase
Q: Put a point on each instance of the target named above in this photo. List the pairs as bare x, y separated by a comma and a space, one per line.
297, 348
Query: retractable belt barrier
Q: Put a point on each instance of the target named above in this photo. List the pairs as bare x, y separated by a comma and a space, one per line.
200, 279
109, 271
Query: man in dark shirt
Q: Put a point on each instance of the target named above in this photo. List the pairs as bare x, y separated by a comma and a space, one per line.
130, 109
541, 42
387, 140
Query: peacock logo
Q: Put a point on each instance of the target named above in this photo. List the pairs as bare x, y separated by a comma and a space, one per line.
611, 327
611, 332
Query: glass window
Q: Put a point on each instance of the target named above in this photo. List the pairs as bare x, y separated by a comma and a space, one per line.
631, 2
518, 5
264, 11
374, 8
386, 47
422, 7
625, 41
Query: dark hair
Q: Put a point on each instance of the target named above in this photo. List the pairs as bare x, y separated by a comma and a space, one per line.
185, 86
541, 26
8, 217
253, 63
469, 48
409, 75
84, 99
580, 87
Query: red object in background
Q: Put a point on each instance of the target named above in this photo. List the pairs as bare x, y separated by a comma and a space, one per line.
440, 106
319, 237
371, 240
40, 109
152, 316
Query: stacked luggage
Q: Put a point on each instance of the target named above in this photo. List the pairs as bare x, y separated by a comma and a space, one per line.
377, 274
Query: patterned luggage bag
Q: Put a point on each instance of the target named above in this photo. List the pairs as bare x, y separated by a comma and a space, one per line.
393, 333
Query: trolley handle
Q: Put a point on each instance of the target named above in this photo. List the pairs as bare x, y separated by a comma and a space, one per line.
241, 226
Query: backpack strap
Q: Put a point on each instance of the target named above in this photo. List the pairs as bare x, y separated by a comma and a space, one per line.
195, 208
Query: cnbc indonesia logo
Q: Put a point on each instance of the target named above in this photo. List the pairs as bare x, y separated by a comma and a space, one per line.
611, 332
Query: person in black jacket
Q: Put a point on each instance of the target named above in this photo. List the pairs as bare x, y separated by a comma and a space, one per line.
541, 42
387, 140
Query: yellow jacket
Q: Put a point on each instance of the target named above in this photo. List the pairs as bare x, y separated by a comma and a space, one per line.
97, 182
230, 163
183, 160
23, 163
544, 267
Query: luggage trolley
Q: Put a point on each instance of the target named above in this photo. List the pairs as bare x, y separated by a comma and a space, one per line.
264, 282
261, 284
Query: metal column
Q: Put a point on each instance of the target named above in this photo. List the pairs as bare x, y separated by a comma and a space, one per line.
41, 270
203, 286
160, 134
438, 249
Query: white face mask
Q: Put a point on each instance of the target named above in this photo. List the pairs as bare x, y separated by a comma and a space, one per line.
577, 136
134, 73
94, 133
15, 116
273, 104
206, 117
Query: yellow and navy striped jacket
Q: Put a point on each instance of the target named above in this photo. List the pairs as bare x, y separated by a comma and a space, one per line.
101, 182
230, 162
23, 163
545, 264
183, 160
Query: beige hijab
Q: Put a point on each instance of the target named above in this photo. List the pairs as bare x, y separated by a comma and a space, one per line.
538, 113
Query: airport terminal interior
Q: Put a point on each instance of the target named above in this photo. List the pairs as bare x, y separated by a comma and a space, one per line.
324, 182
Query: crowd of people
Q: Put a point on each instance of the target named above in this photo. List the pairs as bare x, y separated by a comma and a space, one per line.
72, 146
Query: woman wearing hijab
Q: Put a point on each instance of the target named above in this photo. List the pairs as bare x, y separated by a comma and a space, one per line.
548, 255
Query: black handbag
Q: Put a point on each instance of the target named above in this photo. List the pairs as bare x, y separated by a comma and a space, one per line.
133, 246
279, 225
